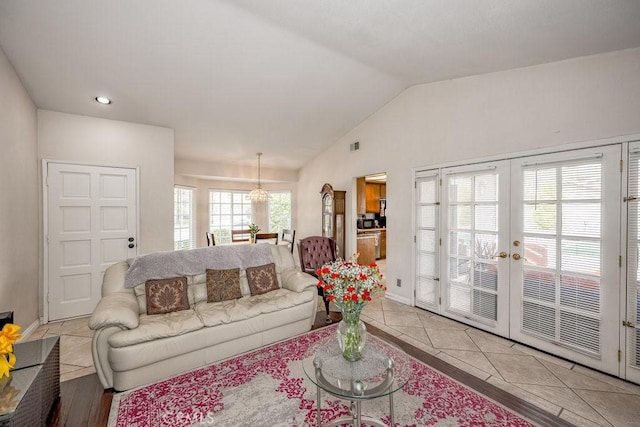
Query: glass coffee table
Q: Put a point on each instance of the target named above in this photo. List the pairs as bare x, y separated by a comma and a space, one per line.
382, 370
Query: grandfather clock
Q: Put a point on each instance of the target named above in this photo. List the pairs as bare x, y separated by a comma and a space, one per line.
333, 212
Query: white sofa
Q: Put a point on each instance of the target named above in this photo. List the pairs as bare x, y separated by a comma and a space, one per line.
131, 348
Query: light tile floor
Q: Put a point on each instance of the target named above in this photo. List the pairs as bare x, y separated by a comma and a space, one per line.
579, 395
75, 346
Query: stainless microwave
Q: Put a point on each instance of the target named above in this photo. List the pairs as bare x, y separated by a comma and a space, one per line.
366, 223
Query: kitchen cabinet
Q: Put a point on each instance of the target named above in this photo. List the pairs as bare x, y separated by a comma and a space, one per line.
361, 196
366, 249
333, 211
383, 244
372, 192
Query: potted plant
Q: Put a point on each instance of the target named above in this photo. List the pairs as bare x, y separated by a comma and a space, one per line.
253, 230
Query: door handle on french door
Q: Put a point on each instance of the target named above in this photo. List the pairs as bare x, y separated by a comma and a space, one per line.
516, 256
131, 245
502, 255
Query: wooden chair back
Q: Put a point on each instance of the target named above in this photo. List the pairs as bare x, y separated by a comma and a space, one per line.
211, 240
267, 236
288, 236
240, 235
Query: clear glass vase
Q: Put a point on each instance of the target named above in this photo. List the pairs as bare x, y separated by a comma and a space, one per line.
352, 334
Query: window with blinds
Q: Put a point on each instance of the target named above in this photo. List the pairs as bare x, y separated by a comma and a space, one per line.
562, 233
228, 210
427, 284
472, 224
183, 218
633, 264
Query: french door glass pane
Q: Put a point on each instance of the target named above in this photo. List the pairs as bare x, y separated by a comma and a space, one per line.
473, 243
633, 272
561, 293
427, 282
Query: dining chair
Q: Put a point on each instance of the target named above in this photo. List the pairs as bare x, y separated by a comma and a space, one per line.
288, 236
315, 251
211, 239
267, 236
240, 235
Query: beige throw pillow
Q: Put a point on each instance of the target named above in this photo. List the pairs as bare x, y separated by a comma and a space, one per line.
166, 295
223, 285
262, 279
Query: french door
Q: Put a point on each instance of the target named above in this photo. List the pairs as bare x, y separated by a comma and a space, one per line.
528, 249
565, 254
632, 315
475, 231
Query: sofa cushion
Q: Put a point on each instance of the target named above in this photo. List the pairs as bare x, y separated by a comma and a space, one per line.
262, 279
152, 327
223, 285
230, 311
166, 295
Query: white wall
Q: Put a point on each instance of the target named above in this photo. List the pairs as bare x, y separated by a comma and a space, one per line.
543, 106
19, 193
70, 137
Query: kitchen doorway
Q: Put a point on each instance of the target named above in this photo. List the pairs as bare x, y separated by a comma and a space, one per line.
371, 219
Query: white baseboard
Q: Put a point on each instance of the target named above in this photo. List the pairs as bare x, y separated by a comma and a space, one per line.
29, 330
397, 298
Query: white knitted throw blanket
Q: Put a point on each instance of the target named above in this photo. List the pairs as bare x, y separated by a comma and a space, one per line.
162, 265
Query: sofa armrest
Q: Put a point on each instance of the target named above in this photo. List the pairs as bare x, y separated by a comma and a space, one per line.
297, 281
118, 309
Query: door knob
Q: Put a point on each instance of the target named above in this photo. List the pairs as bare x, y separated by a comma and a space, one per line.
131, 239
516, 256
516, 243
131, 245
502, 254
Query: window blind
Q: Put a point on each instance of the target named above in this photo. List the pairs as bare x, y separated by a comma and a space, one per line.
183, 218
561, 287
427, 285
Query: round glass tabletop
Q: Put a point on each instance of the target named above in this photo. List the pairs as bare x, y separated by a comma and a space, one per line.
383, 369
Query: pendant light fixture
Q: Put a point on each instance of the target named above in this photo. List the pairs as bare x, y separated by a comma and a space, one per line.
259, 195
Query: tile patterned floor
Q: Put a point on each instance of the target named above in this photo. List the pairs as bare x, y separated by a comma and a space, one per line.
75, 346
574, 393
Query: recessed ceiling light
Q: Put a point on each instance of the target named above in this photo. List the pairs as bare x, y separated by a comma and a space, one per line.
103, 100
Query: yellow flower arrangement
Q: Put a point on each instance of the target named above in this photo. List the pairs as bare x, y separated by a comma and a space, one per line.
8, 336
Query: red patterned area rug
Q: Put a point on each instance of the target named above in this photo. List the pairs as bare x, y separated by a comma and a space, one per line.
268, 387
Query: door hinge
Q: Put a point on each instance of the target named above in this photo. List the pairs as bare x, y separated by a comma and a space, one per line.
440, 182
619, 355
628, 324
414, 238
629, 198
441, 241
439, 300
620, 261
621, 163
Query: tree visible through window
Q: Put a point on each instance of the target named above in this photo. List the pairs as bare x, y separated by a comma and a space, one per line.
183, 218
279, 211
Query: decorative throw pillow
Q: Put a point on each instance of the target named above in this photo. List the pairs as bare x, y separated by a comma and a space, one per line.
223, 285
262, 279
166, 295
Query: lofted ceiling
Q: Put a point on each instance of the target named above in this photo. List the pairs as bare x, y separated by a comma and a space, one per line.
283, 77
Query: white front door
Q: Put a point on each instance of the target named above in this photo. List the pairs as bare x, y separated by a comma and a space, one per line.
91, 223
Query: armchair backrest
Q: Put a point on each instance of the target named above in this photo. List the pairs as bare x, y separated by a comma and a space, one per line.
315, 251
